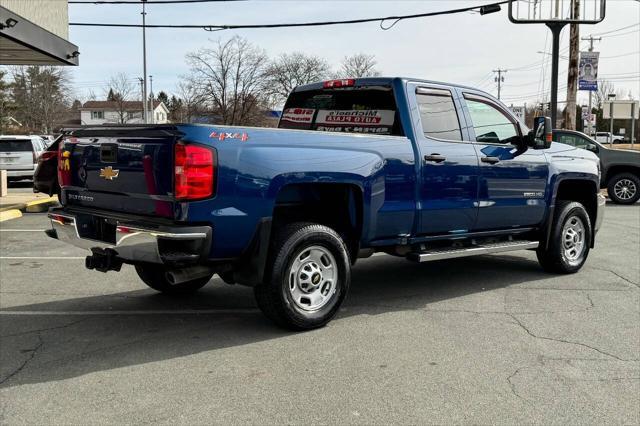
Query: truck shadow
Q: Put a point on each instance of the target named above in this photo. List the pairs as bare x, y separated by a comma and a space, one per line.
62, 339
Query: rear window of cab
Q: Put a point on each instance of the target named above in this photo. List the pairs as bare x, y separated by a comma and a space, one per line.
360, 109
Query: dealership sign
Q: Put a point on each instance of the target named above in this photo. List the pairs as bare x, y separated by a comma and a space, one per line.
588, 78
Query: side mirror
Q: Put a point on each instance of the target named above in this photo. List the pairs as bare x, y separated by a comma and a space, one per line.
542, 134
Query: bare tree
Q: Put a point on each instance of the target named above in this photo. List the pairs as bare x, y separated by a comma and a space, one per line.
291, 70
189, 102
121, 91
358, 65
40, 96
230, 77
605, 88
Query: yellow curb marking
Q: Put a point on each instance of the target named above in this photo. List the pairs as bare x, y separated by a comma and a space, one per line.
10, 214
40, 205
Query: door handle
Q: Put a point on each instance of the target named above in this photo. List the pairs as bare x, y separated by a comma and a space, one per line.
436, 158
490, 160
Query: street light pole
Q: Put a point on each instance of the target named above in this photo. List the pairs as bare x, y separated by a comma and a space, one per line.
144, 64
556, 29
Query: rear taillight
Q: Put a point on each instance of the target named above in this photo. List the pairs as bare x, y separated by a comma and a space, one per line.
47, 155
194, 172
35, 157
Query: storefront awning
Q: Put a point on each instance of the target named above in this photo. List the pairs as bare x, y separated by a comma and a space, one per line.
24, 43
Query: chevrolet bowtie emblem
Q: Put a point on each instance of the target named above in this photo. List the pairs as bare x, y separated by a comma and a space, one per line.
108, 173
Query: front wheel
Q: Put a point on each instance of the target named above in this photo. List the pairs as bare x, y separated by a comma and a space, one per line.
624, 188
570, 239
309, 278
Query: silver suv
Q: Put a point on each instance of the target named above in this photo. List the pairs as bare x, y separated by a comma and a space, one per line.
19, 155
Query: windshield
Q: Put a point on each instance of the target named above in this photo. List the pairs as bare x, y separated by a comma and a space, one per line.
363, 109
15, 145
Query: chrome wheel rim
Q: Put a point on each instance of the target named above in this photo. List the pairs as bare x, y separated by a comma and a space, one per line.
625, 189
573, 239
312, 278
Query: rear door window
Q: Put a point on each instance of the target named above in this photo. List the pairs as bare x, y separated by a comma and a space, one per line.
438, 114
15, 145
361, 109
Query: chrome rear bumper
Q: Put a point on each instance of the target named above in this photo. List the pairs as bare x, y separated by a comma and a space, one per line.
133, 243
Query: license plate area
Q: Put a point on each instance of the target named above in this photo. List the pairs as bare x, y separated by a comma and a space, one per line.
108, 153
96, 228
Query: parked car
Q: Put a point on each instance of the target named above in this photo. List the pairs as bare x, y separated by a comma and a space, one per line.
620, 168
412, 168
45, 178
605, 137
19, 155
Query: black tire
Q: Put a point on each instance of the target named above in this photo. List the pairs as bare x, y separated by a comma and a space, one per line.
155, 277
561, 258
628, 190
295, 246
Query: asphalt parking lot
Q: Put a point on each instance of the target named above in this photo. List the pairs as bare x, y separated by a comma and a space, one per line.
491, 339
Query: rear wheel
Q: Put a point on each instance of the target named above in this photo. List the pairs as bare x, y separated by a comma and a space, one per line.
570, 239
309, 278
155, 276
624, 188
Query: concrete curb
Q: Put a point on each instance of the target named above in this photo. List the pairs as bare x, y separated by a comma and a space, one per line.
37, 205
10, 214
13, 206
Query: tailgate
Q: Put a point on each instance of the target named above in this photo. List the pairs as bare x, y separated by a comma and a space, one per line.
123, 171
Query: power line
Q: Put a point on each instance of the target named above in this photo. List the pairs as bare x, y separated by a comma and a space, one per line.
394, 20
101, 2
616, 30
622, 34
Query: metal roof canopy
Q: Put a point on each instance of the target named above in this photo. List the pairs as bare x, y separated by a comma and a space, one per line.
24, 43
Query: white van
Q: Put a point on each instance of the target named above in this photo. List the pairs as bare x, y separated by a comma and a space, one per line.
19, 155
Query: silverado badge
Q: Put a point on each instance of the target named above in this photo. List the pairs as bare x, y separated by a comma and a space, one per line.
108, 173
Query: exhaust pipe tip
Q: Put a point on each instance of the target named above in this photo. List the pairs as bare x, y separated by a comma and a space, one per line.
179, 276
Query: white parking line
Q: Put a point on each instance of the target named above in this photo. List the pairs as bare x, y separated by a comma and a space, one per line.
42, 258
143, 312
22, 230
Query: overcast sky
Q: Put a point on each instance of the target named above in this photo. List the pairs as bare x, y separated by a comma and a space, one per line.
462, 48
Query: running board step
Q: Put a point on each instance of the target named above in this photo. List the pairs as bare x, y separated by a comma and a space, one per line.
448, 253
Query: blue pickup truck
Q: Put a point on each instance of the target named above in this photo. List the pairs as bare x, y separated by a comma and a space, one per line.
411, 168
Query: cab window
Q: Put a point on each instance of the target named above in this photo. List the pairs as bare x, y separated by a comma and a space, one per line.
359, 109
575, 140
490, 124
438, 114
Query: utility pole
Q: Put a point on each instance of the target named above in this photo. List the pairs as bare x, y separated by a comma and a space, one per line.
572, 75
144, 63
591, 39
499, 79
150, 100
